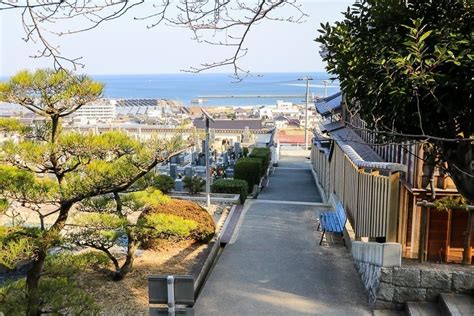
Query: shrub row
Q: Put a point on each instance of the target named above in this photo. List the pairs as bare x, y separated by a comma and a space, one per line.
265, 155
232, 186
250, 170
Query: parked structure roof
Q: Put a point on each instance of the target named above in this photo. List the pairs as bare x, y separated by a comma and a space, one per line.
360, 153
330, 105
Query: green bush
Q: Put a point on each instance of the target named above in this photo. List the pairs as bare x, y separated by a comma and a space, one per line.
245, 152
168, 225
58, 296
233, 186
164, 183
248, 169
194, 185
265, 155
187, 212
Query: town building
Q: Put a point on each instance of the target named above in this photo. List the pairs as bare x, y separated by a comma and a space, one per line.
100, 111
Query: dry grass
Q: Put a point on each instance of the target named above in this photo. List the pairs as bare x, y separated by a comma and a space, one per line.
130, 296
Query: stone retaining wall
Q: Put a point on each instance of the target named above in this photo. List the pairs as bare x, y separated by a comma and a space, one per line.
392, 286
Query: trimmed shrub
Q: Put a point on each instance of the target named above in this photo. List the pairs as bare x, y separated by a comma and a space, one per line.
232, 186
164, 183
186, 211
245, 152
194, 185
248, 169
265, 155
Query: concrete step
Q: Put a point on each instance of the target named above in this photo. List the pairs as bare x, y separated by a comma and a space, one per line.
423, 309
457, 304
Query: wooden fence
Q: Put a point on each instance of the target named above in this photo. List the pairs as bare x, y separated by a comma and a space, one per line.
370, 196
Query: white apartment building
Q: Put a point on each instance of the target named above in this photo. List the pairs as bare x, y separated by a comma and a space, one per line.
103, 110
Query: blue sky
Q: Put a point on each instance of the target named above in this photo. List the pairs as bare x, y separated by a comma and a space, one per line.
125, 46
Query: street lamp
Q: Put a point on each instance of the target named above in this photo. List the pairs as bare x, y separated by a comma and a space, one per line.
208, 173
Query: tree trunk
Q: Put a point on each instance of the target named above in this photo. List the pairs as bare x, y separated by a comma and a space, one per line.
466, 255
128, 264
34, 274
460, 157
32, 282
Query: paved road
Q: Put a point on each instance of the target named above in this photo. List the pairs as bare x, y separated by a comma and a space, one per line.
275, 266
292, 180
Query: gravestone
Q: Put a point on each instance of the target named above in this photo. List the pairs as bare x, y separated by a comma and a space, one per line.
174, 160
237, 148
173, 170
202, 160
188, 171
178, 185
194, 158
229, 172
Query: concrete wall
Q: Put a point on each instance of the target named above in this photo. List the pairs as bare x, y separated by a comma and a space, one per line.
390, 285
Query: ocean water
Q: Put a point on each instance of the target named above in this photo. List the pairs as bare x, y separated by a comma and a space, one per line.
187, 87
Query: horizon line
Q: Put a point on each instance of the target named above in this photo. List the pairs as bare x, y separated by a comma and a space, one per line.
187, 73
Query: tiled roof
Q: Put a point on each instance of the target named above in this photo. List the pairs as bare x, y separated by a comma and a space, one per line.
360, 153
329, 127
330, 104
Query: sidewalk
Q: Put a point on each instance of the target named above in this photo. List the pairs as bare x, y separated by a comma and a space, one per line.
274, 266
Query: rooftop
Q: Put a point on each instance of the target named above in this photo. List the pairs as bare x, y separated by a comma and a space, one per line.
252, 124
330, 104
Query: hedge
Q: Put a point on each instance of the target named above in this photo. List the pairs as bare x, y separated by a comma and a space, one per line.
265, 155
248, 169
232, 186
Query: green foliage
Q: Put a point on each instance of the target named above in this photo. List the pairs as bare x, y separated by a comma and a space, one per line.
14, 252
150, 198
61, 91
406, 69
58, 296
245, 151
4, 205
450, 202
10, 125
248, 169
67, 264
58, 292
194, 184
186, 210
100, 221
18, 244
232, 186
265, 155
164, 183
167, 225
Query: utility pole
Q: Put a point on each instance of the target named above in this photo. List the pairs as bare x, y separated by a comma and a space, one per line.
306, 111
208, 171
325, 82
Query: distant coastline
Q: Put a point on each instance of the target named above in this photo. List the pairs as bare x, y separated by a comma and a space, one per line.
185, 87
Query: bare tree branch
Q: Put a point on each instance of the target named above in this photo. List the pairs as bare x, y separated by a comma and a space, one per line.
223, 23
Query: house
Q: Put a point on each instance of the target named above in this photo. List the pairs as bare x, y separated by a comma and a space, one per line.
381, 186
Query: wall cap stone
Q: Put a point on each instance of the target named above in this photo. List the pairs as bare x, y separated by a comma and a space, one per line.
380, 254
